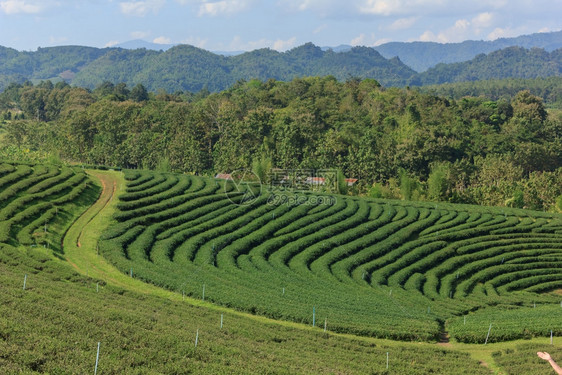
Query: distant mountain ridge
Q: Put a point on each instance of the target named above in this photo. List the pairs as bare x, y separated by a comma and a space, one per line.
421, 56
188, 68
185, 67
511, 62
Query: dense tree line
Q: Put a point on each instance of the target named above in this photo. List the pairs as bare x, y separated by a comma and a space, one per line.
512, 62
399, 143
548, 89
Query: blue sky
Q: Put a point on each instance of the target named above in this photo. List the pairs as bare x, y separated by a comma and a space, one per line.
233, 25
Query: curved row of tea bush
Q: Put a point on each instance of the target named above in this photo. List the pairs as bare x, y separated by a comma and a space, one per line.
390, 269
32, 197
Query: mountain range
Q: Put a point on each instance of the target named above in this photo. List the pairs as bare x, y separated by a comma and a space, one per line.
419, 56
188, 68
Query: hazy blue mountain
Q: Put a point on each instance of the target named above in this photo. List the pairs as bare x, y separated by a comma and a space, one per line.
512, 62
139, 43
340, 48
188, 68
420, 56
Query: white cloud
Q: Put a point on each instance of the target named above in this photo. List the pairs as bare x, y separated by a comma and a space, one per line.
195, 41
140, 34
322, 8
483, 15
364, 40
320, 29
405, 9
483, 19
461, 24
379, 7
396, 7
111, 43
161, 40
236, 43
428, 36
403, 23
303, 5
378, 42
222, 7
141, 8
20, 6
283, 45
358, 41
462, 29
499, 32
279, 45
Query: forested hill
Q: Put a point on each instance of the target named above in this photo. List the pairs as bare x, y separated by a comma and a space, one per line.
421, 56
548, 89
512, 62
187, 68
45, 63
409, 144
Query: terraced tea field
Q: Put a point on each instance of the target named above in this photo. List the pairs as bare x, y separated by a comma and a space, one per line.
388, 269
33, 198
55, 322
401, 270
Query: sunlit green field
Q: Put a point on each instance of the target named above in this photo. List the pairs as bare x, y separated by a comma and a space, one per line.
387, 269
377, 269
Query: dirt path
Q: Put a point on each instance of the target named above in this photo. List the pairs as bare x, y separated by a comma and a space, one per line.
105, 197
444, 340
81, 241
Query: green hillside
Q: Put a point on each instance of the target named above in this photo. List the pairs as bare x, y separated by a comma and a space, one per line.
512, 62
59, 302
421, 56
398, 143
388, 269
31, 197
190, 69
53, 323
45, 63
548, 89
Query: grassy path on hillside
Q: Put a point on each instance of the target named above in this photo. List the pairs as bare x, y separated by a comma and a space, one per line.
80, 249
80, 242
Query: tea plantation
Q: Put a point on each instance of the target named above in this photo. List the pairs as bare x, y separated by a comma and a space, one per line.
388, 269
360, 271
